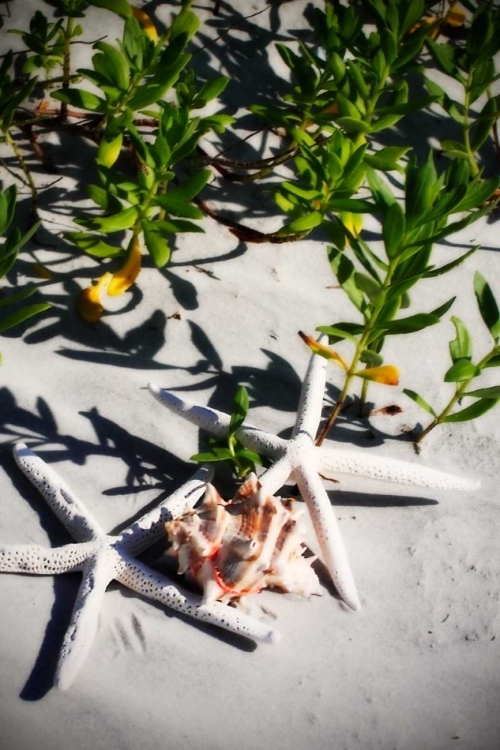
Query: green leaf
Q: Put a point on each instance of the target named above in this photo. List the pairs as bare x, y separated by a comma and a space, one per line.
493, 361
344, 271
116, 223
93, 245
454, 149
411, 12
461, 346
190, 188
371, 358
461, 370
81, 99
186, 23
7, 207
218, 453
483, 125
20, 316
477, 194
156, 243
10, 249
410, 324
173, 226
112, 64
305, 223
249, 455
443, 55
211, 90
337, 333
416, 322
421, 189
420, 401
473, 411
393, 230
239, 409
368, 285
491, 392
18, 296
307, 194
353, 205
487, 305
178, 207
380, 190
431, 272
121, 7
386, 159
352, 124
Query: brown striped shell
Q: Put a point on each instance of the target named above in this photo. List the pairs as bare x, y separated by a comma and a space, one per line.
255, 541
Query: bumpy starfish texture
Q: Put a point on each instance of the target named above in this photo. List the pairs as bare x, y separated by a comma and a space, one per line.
299, 459
102, 558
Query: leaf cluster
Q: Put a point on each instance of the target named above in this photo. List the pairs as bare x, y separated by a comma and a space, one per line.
12, 94
230, 449
46, 43
13, 241
463, 370
472, 65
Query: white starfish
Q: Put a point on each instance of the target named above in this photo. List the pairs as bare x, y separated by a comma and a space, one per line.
102, 558
299, 459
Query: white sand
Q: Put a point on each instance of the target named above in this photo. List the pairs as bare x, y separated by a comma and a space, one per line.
416, 669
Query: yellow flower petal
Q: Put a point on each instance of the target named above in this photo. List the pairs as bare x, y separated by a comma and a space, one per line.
89, 301
127, 274
323, 351
385, 374
146, 23
455, 17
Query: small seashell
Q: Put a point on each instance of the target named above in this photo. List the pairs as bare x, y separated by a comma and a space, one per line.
255, 541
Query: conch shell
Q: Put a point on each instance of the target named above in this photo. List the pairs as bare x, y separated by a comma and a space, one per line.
231, 549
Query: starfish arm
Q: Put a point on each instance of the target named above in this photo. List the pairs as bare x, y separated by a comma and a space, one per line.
311, 396
328, 534
217, 423
276, 476
63, 502
358, 463
261, 441
31, 558
203, 416
151, 526
141, 579
97, 573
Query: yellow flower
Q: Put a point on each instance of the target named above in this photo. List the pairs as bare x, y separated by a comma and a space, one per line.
323, 351
146, 23
89, 301
127, 274
455, 17
385, 374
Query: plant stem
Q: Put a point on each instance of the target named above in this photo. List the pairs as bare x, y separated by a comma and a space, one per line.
459, 392
68, 33
360, 347
466, 128
22, 163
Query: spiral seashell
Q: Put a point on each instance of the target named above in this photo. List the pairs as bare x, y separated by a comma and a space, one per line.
255, 541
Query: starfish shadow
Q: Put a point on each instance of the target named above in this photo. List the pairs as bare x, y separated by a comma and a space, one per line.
361, 500
41, 679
